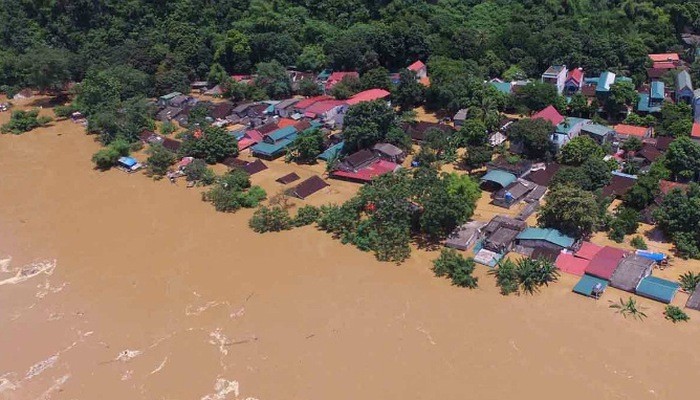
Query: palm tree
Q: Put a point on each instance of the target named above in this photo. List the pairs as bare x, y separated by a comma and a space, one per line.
629, 307
689, 281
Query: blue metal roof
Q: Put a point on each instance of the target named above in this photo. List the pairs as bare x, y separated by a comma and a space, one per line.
331, 151
657, 90
568, 124
127, 161
502, 178
503, 87
658, 289
282, 133
272, 150
546, 234
643, 104
587, 283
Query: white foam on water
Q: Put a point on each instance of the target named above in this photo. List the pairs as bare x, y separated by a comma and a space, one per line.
41, 366
127, 375
160, 367
58, 383
222, 389
190, 311
30, 271
46, 288
218, 338
5, 264
127, 355
6, 384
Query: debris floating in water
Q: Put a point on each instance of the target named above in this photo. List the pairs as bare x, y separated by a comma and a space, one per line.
222, 389
127, 355
29, 271
41, 366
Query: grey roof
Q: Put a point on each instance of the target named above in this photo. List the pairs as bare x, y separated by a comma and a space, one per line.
631, 270
500, 239
388, 149
285, 104
554, 70
501, 220
683, 81
463, 236
597, 129
694, 300
461, 114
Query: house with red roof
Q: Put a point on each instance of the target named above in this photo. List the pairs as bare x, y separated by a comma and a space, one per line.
550, 114
338, 76
250, 137
574, 81
665, 61
624, 131
324, 109
363, 166
302, 105
419, 68
368, 95
567, 262
695, 132
605, 262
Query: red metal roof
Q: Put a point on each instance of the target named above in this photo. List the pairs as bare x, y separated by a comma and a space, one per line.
695, 132
664, 57
336, 77
323, 106
571, 265
284, 122
368, 95
666, 186
576, 74
366, 174
664, 65
303, 104
605, 262
631, 130
550, 114
416, 66
588, 250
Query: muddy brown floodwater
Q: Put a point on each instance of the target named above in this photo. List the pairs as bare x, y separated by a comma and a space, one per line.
139, 290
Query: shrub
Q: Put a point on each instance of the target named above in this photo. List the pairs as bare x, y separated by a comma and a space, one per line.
253, 196
638, 243
159, 160
506, 277
675, 314
233, 191
307, 215
457, 268
532, 274
167, 128
24, 121
107, 157
198, 171
689, 281
629, 307
65, 111
272, 219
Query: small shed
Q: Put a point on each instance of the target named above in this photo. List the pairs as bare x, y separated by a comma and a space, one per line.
591, 286
630, 271
658, 289
694, 301
309, 187
464, 236
289, 178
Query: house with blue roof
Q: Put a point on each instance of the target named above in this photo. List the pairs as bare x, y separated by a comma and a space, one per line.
503, 87
544, 238
568, 129
651, 102
331, 152
276, 143
684, 87
605, 80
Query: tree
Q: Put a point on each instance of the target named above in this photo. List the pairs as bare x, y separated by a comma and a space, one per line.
213, 144
678, 216
347, 87
232, 50
473, 133
107, 157
309, 88
312, 58
622, 96
579, 106
535, 273
273, 78
409, 92
443, 144
459, 269
572, 210
580, 149
676, 119
306, 147
477, 157
538, 95
506, 276
24, 121
366, 124
638, 243
306, 215
159, 160
377, 78
533, 135
234, 191
198, 171
272, 219
46, 68
689, 281
683, 159
217, 74
632, 144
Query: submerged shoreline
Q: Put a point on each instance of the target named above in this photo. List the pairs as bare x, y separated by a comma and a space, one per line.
163, 297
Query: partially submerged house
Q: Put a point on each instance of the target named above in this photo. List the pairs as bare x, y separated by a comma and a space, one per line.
500, 233
556, 76
604, 263
651, 102
275, 144
657, 289
542, 175
546, 238
630, 271
363, 166
515, 192
309, 186
497, 179
619, 185
694, 300
389, 152
464, 236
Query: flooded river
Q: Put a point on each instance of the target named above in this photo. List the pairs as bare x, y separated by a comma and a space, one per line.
113, 286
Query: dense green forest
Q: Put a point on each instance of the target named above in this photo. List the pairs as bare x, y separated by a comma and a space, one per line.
44, 43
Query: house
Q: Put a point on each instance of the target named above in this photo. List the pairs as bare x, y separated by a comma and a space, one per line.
331, 152
461, 115
604, 263
221, 111
500, 233
289, 178
544, 238
363, 166
694, 300
199, 85
417, 130
600, 133
164, 100
656, 73
684, 87
648, 154
657, 289
285, 107
303, 104
543, 175
568, 129
419, 68
695, 132
665, 60
128, 164
619, 185
464, 236
624, 132
605, 80
181, 101
630, 271
550, 114
497, 139
324, 110
651, 102
574, 81
336, 77
368, 95
253, 167
168, 113
274, 144
389, 152
567, 262
556, 75
216, 91
309, 186
497, 179
519, 169
513, 193
696, 105
250, 138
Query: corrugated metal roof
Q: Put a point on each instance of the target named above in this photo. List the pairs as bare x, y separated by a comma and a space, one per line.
597, 129
501, 177
657, 90
282, 133
658, 289
587, 283
546, 234
683, 81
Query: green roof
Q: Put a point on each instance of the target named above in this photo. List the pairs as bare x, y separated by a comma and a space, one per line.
657, 90
502, 178
597, 129
587, 283
643, 104
546, 234
503, 87
568, 124
657, 289
170, 95
331, 152
271, 150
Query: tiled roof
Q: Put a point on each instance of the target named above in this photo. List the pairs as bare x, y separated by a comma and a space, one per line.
631, 130
550, 114
695, 132
576, 74
368, 95
416, 66
664, 57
